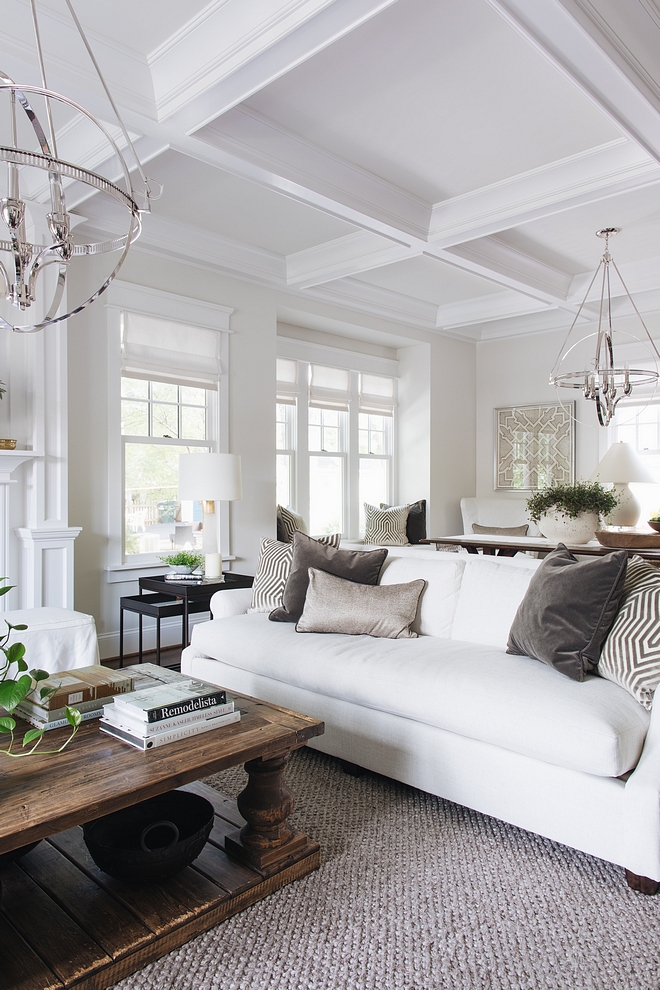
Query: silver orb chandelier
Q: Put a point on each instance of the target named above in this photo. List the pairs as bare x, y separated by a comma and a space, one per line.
604, 380
40, 243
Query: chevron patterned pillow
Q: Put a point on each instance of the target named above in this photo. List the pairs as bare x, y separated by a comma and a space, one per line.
273, 569
631, 654
288, 523
386, 527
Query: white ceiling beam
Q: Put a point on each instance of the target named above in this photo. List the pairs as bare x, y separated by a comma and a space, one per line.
254, 138
601, 172
196, 80
577, 40
598, 173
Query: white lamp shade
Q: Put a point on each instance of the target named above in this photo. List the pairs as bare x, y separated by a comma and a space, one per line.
622, 465
210, 477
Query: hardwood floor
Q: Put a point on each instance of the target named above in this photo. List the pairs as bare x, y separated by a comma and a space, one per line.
170, 657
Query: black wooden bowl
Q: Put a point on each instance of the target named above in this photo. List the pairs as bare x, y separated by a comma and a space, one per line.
152, 840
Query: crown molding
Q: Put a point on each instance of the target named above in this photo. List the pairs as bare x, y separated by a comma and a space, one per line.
568, 33
233, 75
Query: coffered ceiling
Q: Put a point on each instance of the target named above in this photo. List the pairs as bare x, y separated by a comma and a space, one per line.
440, 163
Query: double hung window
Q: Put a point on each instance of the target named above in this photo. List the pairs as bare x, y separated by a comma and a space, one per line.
335, 443
169, 406
639, 425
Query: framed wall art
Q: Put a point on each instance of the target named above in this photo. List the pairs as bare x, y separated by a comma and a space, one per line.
534, 446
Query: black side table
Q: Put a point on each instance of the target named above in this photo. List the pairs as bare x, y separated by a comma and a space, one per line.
188, 595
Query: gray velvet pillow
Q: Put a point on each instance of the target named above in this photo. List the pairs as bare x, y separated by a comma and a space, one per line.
361, 566
334, 605
568, 610
500, 530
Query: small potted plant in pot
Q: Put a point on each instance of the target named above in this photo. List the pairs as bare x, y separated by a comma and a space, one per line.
571, 513
183, 561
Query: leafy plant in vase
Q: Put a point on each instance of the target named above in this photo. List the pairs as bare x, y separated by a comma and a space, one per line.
184, 561
571, 513
16, 683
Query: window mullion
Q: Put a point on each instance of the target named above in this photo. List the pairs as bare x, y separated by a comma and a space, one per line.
352, 482
302, 445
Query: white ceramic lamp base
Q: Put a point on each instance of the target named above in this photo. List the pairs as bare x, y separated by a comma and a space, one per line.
628, 510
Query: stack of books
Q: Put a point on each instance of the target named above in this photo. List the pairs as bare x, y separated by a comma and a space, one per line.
88, 689
167, 712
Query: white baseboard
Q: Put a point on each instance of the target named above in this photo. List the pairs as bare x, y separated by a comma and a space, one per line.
170, 635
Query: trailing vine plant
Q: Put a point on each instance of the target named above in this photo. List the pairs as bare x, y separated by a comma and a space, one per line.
571, 500
16, 683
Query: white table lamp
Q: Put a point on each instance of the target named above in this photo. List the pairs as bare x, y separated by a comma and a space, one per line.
210, 478
621, 466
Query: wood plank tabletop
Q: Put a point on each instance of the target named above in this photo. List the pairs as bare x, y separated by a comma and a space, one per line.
97, 774
489, 543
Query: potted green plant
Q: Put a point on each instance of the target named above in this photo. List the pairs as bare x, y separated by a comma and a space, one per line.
16, 682
571, 513
184, 561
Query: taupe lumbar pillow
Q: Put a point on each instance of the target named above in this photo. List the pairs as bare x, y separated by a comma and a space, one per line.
334, 605
631, 654
362, 566
386, 526
568, 610
500, 530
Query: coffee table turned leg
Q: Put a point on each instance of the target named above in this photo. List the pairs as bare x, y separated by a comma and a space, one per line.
267, 840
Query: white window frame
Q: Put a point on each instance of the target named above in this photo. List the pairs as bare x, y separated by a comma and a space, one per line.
306, 353
126, 297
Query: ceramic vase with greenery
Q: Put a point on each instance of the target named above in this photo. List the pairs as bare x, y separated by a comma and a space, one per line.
184, 561
571, 513
16, 683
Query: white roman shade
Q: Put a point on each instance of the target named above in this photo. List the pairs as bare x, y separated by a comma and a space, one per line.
377, 395
329, 388
287, 381
158, 349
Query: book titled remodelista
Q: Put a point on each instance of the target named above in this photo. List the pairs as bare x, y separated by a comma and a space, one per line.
123, 718
146, 742
169, 700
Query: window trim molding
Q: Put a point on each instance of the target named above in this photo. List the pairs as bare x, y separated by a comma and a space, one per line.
175, 308
301, 350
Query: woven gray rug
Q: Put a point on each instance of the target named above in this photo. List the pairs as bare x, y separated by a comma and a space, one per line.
416, 893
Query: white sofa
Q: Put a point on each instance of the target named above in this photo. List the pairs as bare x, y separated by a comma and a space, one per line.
453, 714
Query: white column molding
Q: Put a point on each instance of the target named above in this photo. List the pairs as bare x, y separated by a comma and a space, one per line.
47, 572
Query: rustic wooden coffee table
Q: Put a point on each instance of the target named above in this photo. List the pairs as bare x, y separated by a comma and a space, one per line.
64, 923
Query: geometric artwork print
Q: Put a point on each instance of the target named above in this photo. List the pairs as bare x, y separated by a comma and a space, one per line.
631, 654
535, 446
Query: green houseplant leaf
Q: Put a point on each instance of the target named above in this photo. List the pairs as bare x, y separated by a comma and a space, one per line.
12, 692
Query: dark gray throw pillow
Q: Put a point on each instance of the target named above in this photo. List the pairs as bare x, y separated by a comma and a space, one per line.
361, 566
568, 611
416, 521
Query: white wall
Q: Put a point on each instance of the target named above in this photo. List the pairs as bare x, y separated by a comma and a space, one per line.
515, 371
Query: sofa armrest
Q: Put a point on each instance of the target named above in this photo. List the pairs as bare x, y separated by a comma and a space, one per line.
233, 601
642, 807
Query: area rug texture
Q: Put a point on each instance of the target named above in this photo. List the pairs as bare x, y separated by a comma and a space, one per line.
416, 893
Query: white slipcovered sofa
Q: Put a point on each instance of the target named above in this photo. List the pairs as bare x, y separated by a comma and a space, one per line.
453, 714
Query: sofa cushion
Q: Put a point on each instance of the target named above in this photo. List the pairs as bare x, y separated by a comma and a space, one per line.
354, 565
568, 610
334, 605
491, 591
476, 691
443, 574
631, 654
